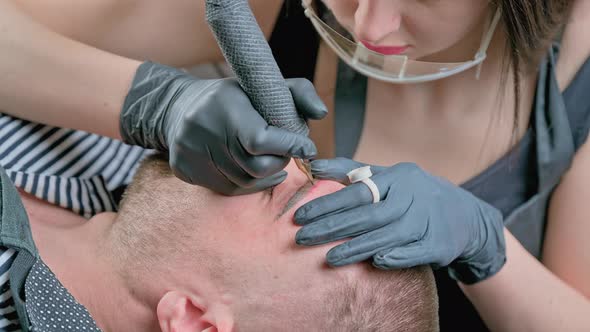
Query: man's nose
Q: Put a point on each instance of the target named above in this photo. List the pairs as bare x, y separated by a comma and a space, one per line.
375, 19
296, 176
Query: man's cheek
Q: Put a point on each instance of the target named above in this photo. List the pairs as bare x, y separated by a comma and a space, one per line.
232, 208
246, 222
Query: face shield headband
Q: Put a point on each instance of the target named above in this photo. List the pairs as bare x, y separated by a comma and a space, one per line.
395, 68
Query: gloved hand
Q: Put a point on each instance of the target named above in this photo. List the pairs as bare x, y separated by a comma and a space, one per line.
212, 133
421, 219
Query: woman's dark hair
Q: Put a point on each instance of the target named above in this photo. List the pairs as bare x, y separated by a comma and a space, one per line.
531, 26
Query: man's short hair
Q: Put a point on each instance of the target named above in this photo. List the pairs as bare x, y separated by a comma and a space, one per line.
148, 236
397, 300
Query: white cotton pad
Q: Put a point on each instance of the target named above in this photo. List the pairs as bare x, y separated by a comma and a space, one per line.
359, 174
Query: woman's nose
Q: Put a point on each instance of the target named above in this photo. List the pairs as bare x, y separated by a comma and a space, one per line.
375, 19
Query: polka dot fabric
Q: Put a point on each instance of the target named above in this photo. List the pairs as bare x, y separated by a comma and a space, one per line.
51, 307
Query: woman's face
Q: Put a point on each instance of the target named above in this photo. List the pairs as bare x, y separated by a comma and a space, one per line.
430, 30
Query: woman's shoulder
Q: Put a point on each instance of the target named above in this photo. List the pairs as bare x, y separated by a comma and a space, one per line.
570, 61
575, 44
574, 94
577, 103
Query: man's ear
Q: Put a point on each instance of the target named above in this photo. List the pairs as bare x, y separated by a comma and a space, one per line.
179, 312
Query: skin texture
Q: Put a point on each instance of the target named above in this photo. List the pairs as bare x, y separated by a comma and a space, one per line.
192, 297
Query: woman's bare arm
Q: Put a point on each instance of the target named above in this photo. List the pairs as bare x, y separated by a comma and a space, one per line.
51, 79
65, 72
172, 32
527, 295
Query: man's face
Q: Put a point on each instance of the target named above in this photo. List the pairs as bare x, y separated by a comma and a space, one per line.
261, 225
235, 260
255, 235
269, 209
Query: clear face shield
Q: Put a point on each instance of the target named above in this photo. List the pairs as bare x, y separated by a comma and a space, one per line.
392, 68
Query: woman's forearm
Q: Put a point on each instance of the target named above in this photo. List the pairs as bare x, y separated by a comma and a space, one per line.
50, 79
526, 296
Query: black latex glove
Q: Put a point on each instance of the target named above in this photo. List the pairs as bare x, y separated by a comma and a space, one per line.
421, 219
212, 133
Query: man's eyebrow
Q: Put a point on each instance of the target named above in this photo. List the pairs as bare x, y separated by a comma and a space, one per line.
296, 198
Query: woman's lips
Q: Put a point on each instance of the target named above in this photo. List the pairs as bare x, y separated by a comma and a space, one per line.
385, 50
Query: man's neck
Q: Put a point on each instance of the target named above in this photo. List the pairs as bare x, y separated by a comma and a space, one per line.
71, 247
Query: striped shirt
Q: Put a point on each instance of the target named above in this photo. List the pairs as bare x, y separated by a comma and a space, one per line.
8, 316
72, 169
